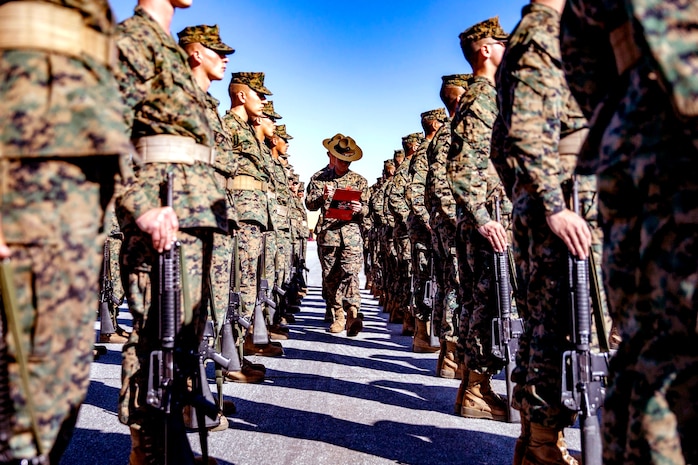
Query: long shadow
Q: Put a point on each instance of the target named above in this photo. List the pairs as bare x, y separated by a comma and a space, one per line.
400, 442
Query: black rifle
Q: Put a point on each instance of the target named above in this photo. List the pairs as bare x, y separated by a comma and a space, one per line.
506, 330
583, 372
106, 294
431, 293
172, 366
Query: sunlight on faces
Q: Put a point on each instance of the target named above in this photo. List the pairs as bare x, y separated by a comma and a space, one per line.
214, 63
254, 102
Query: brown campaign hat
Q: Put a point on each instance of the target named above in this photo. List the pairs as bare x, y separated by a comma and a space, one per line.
254, 80
488, 28
208, 36
269, 111
343, 147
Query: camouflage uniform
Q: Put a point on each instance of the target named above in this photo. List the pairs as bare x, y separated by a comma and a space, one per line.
113, 244
475, 185
536, 113
59, 143
163, 100
643, 147
340, 241
391, 300
255, 203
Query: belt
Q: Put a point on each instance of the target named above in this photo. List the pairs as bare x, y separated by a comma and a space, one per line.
243, 182
571, 144
282, 211
624, 47
52, 28
166, 148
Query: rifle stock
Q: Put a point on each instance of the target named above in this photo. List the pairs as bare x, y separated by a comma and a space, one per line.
260, 335
430, 299
106, 294
506, 330
583, 372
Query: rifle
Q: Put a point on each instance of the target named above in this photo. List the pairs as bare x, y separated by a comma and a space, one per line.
431, 289
106, 294
171, 366
583, 372
506, 330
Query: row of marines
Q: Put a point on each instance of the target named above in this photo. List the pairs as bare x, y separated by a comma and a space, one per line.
502, 172
86, 136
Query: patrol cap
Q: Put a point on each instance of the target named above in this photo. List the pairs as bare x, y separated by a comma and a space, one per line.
280, 131
208, 36
343, 147
412, 138
388, 163
437, 114
459, 80
301, 186
254, 80
488, 28
398, 153
268, 110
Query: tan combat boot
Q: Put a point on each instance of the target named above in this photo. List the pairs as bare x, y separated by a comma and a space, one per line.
339, 323
522, 441
272, 349
461, 389
547, 446
449, 366
355, 322
480, 401
137, 456
420, 343
247, 374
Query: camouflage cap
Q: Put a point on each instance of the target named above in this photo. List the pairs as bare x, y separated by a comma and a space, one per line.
280, 131
412, 138
301, 186
437, 114
343, 147
482, 30
208, 36
398, 153
268, 110
389, 162
254, 80
459, 80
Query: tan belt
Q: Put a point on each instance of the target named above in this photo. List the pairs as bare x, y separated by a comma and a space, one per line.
282, 211
571, 144
242, 182
624, 47
173, 149
52, 28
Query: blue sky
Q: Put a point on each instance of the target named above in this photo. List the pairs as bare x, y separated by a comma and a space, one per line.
365, 69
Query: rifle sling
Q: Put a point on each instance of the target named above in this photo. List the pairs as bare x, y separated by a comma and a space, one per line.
10, 306
186, 298
595, 290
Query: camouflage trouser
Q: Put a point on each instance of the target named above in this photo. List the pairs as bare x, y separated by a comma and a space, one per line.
249, 249
389, 263
340, 273
221, 264
465, 277
403, 278
196, 253
446, 270
283, 257
56, 254
649, 203
482, 308
272, 247
421, 270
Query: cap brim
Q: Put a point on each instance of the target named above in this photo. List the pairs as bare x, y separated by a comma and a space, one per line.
261, 90
220, 47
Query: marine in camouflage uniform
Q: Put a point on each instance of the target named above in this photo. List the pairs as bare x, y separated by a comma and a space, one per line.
60, 141
634, 62
535, 141
166, 107
475, 186
400, 209
253, 190
442, 206
111, 254
390, 285
378, 245
341, 239
418, 223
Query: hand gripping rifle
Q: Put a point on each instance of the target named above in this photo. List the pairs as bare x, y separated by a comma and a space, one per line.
506, 330
583, 372
172, 366
431, 289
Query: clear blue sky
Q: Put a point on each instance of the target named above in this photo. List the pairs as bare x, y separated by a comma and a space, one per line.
366, 69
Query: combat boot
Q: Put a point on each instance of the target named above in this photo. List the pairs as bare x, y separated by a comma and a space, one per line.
458, 405
522, 441
272, 349
137, 456
480, 401
112, 338
547, 446
420, 343
354, 322
339, 323
245, 375
449, 366
407, 323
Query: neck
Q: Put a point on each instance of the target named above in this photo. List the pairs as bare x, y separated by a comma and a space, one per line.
201, 78
487, 70
240, 111
161, 11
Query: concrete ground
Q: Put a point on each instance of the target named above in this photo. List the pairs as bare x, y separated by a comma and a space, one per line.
330, 400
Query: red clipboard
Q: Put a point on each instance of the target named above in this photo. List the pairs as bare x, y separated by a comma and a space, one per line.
340, 206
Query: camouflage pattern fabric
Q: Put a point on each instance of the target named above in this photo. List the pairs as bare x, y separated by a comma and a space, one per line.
52, 211
536, 111
340, 241
644, 154
400, 209
440, 202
